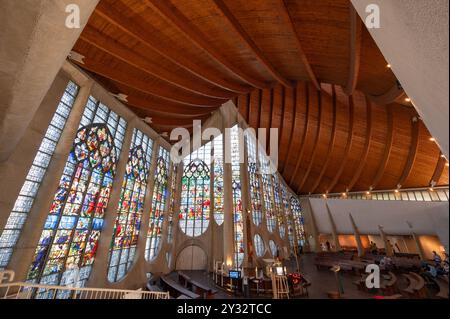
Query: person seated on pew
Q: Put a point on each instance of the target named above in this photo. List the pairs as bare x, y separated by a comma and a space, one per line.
429, 271
436, 258
387, 263
373, 248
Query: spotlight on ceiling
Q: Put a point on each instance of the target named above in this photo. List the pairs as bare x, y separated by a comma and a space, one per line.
388, 66
432, 139
407, 99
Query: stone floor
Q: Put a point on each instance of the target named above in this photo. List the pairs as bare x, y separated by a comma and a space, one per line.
322, 281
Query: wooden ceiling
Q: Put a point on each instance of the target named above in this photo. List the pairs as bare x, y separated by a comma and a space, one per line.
307, 67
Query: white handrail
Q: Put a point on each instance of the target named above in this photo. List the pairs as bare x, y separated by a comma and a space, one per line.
24, 290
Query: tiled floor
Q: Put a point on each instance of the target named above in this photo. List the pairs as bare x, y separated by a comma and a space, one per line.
322, 281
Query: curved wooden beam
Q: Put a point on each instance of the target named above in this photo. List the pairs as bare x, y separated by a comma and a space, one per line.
283, 160
415, 130
134, 82
365, 153
288, 19
389, 97
355, 50
147, 37
176, 19
171, 115
303, 140
387, 149
316, 142
331, 145
251, 44
439, 170
351, 126
124, 54
294, 124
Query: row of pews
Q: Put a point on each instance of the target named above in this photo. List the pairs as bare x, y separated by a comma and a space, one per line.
186, 287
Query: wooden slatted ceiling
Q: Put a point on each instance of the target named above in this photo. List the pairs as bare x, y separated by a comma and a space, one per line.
179, 60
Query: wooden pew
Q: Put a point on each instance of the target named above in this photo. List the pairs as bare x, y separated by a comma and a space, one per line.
184, 280
388, 287
202, 290
443, 288
420, 289
409, 291
176, 290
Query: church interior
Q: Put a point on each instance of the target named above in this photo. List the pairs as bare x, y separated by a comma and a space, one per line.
224, 149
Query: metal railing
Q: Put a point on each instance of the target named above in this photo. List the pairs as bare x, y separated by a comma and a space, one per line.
437, 194
24, 290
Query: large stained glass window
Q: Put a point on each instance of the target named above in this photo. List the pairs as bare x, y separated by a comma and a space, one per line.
195, 192
254, 179
298, 220
287, 211
259, 246
268, 191
159, 202
218, 179
68, 243
173, 189
30, 187
130, 207
237, 196
278, 205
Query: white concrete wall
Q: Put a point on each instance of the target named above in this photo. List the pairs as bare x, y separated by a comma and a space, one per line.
427, 218
413, 38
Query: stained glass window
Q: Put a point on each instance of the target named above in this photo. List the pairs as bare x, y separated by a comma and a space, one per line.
273, 248
27, 195
68, 243
298, 220
278, 205
130, 207
235, 142
287, 210
173, 189
159, 202
195, 192
254, 179
268, 191
218, 178
259, 246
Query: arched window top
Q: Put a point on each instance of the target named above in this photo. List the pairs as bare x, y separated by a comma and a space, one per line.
196, 169
94, 144
259, 245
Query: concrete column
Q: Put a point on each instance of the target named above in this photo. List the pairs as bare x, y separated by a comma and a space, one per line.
313, 230
31, 232
387, 246
359, 246
419, 246
100, 267
337, 246
246, 206
38, 42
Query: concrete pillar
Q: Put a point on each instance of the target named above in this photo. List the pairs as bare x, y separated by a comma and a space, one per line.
359, 246
387, 246
421, 29
37, 42
337, 246
312, 226
418, 246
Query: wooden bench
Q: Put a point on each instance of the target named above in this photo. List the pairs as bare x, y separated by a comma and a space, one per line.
204, 291
443, 288
388, 287
420, 289
409, 291
176, 290
184, 279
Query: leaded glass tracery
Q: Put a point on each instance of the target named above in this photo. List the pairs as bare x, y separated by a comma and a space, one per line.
254, 179
273, 248
68, 243
131, 207
278, 205
236, 188
173, 189
218, 178
195, 192
287, 210
267, 184
298, 220
159, 203
259, 246
33, 180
